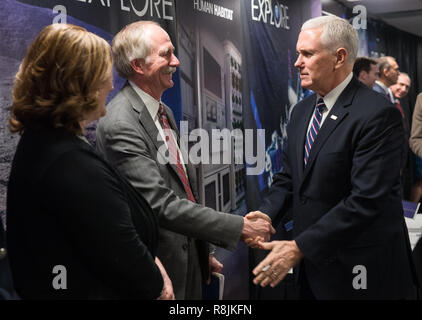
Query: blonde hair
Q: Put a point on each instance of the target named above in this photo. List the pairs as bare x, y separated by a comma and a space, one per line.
57, 82
132, 42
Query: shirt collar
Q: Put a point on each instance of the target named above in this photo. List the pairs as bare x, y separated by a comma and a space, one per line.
387, 90
331, 97
382, 85
151, 104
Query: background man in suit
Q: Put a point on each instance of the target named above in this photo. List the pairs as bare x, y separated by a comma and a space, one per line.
400, 90
341, 180
388, 74
415, 140
415, 143
366, 71
132, 136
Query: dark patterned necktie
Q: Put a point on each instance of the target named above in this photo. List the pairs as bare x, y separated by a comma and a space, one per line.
314, 129
174, 151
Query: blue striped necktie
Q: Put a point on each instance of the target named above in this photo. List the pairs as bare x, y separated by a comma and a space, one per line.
314, 129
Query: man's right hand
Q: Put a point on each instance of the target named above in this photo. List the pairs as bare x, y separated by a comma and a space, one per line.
258, 214
256, 228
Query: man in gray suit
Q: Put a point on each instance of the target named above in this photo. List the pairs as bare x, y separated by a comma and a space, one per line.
132, 136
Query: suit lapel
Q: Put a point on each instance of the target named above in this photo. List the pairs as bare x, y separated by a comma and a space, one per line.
339, 111
148, 123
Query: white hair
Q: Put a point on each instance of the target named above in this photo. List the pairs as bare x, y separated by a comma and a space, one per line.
132, 42
336, 33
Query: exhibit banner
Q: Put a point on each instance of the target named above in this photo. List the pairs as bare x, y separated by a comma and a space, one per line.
271, 89
270, 30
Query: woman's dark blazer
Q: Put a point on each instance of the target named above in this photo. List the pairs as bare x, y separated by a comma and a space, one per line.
75, 228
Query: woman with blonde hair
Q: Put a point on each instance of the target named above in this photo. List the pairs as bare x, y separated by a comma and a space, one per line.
75, 228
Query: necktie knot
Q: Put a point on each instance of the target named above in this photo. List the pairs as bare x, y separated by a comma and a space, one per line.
162, 117
161, 111
320, 105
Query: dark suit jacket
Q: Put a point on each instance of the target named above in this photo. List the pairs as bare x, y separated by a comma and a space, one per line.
346, 203
7, 291
67, 206
408, 163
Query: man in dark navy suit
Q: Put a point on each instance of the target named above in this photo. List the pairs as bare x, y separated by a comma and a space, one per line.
341, 181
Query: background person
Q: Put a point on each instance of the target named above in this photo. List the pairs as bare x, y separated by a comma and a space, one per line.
7, 292
388, 74
400, 91
366, 71
67, 207
401, 88
415, 143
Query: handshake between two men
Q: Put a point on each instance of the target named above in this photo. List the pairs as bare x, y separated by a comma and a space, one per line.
283, 256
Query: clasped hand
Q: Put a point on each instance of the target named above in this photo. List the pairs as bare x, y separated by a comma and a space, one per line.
257, 228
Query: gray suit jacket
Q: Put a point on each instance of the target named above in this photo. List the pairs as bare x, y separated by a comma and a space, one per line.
127, 137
